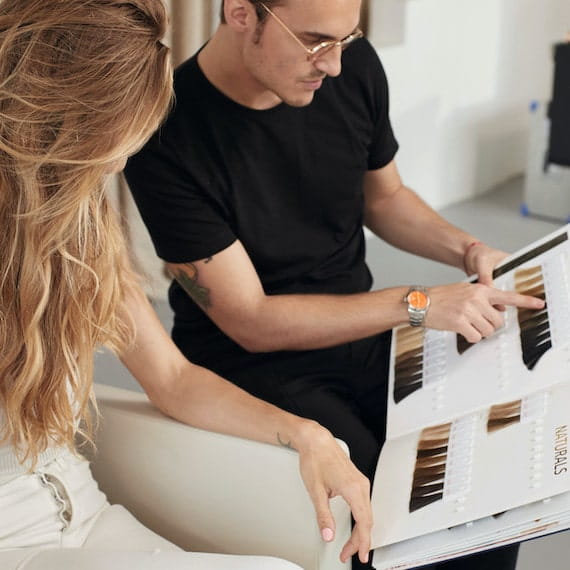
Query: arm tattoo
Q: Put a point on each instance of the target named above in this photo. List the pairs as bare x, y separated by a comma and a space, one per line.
188, 280
281, 442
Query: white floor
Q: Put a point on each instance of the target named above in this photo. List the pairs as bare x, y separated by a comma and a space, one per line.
493, 218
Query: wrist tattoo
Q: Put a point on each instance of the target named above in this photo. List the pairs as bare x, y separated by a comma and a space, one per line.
188, 280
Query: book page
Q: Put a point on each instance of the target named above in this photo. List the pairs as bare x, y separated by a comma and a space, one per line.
479, 465
522, 523
436, 376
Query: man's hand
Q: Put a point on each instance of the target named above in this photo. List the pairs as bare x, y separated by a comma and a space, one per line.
327, 472
473, 310
480, 260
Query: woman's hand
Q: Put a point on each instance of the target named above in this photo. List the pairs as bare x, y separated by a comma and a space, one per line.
201, 398
328, 472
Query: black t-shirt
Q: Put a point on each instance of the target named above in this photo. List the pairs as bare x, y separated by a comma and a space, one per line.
286, 182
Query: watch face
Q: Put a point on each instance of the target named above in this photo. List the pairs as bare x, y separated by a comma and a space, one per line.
418, 300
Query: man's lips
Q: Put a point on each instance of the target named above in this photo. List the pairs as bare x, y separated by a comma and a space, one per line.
313, 82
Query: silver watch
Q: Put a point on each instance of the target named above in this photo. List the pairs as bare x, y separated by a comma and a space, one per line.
418, 304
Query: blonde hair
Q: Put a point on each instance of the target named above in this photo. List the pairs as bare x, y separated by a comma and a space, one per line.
83, 83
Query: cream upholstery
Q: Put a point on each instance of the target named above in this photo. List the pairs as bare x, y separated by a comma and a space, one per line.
206, 491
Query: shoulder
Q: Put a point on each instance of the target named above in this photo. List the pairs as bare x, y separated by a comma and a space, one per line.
187, 114
361, 50
361, 62
363, 82
187, 75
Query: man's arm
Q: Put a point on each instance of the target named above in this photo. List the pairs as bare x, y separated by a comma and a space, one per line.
227, 287
199, 397
400, 217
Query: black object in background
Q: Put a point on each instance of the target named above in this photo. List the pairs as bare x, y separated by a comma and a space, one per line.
559, 111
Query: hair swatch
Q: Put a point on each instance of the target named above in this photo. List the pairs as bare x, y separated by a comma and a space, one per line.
461, 342
531, 254
409, 362
503, 415
429, 472
534, 325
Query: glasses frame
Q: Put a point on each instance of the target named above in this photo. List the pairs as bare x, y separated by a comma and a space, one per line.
320, 49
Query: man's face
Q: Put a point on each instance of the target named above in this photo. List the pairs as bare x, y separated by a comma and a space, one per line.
278, 63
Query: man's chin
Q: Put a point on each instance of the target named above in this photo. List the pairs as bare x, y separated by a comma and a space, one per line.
300, 100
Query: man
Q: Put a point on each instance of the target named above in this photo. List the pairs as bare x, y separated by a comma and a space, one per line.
255, 193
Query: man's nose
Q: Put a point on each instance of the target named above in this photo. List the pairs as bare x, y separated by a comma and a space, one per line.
330, 62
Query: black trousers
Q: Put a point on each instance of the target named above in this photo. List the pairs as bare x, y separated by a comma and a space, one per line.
344, 388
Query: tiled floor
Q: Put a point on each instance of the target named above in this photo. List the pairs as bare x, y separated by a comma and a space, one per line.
493, 218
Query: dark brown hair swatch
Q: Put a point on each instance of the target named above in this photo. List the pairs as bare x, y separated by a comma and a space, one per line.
462, 343
533, 324
409, 362
429, 472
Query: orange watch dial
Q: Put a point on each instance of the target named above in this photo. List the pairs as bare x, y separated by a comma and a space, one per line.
418, 300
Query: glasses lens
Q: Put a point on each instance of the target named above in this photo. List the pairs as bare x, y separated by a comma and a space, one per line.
323, 49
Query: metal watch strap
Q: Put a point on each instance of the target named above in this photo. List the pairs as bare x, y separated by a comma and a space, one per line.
417, 315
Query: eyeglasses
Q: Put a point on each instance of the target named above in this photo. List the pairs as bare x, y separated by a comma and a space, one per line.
321, 49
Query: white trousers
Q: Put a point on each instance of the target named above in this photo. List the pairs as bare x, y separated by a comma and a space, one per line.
57, 519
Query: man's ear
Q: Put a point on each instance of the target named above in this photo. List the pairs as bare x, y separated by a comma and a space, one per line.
240, 14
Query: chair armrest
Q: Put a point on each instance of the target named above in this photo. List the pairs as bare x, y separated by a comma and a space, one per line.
206, 491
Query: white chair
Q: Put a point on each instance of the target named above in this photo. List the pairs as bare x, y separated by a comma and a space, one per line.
209, 492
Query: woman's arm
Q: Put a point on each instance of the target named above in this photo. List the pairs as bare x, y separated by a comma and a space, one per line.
197, 396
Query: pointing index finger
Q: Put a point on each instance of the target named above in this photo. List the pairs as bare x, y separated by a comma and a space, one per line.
517, 300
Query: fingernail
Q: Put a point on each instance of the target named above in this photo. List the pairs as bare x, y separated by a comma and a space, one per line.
327, 534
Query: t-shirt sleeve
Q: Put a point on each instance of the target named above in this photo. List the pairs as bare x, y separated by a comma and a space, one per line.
384, 144
375, 91
185, 219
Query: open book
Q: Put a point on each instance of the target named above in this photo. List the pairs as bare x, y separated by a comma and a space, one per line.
476, 454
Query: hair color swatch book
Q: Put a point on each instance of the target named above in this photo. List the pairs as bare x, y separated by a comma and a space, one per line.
476, 453
436, 376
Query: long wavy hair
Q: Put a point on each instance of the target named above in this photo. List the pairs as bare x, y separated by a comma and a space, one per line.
83, 84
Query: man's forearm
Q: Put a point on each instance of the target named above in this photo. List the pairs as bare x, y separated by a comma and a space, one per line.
306, 322
405, 221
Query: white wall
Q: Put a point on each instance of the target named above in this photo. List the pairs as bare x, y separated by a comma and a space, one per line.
461, 82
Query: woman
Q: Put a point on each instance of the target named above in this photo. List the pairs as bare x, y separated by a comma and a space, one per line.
83, 83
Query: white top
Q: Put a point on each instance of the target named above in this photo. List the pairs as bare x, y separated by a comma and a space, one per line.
10, 467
